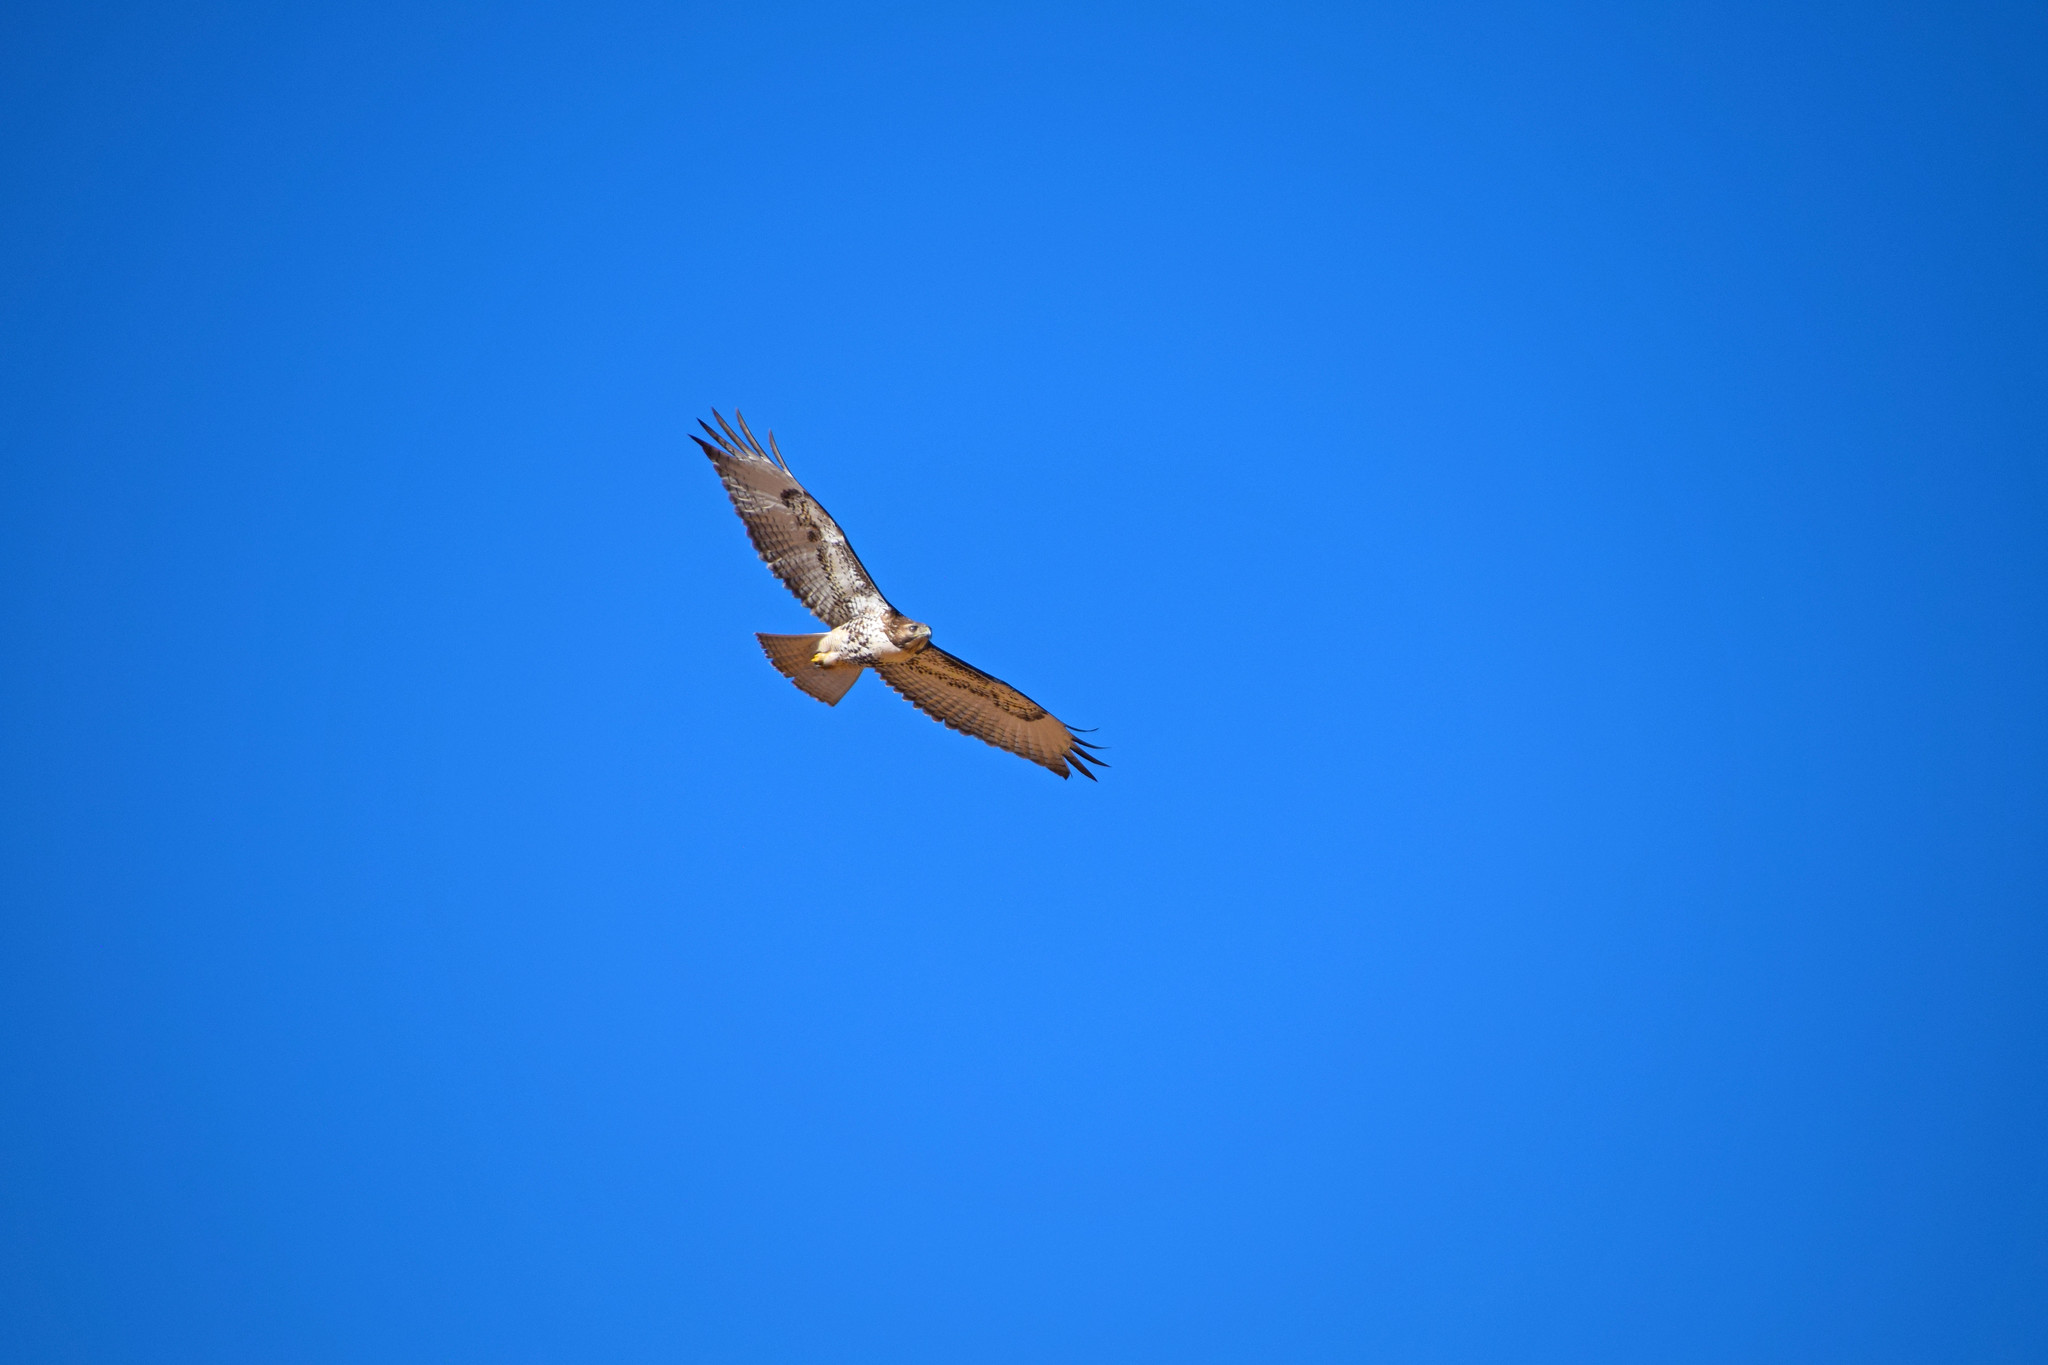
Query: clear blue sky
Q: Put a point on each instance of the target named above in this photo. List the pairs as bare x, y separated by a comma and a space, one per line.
1547, 504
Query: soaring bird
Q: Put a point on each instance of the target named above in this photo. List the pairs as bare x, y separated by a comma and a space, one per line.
809, 553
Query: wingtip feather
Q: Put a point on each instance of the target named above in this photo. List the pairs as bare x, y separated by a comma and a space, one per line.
740, 417
713, 433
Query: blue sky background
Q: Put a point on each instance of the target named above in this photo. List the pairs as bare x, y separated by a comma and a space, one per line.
1545, 502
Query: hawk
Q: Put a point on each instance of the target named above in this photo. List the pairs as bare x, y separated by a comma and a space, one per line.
809, 553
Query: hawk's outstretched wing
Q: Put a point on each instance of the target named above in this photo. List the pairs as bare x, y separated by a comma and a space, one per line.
964, 698
796, 536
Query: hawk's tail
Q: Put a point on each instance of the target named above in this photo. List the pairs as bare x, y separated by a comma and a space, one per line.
791, 655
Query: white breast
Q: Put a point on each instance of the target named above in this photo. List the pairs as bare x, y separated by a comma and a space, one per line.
860, 641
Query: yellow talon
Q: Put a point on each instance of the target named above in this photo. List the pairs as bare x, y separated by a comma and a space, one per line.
817, 658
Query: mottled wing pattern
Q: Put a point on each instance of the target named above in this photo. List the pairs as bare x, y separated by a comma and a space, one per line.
964, 698
798, 538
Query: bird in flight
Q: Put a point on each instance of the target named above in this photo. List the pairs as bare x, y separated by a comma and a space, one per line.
809, 553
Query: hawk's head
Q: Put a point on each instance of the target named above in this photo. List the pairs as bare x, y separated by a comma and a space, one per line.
908, 635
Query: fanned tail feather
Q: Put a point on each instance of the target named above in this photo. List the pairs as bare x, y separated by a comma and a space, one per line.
791, 655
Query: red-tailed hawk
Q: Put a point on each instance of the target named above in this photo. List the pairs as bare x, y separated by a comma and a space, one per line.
808, 552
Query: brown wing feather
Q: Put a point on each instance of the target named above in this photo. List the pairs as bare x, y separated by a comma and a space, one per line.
794, 534
962, 697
